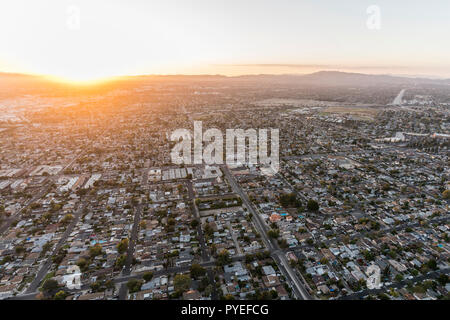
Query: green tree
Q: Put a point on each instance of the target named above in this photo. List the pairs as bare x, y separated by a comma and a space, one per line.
120, 262
122, 246
20, 250
82, 263
50, 285
134, 285
95, 250
96, 286
171, 221
60, 295
249, 258
289, 200
197, 271
194, 223
446, 194
443, 279
398, 277
274, 294
208, 230
223, 257
432, 264
182, 283
148, 276
273, 233
369, 256
312, 205
67, 218
283, 243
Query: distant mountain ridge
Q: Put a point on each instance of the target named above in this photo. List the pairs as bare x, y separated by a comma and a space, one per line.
320, 77
333, 78
346, 78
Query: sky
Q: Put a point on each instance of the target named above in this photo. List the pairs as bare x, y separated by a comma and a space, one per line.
94, 39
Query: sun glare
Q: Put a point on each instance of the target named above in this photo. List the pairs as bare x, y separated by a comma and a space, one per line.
80, 80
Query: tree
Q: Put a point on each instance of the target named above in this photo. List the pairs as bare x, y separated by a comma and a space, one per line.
134, 285
81, 192
182, 283
369, 256
194, 223
109, 285
223, 257
50, 285
274, 294
82, 263
283, 243
249, 258
289, 200
47, 216
446, 194
60, 295
6, 259
312, 205
67, 218
95, 250
399, 277
208, 290
432, 264
443, 279
273, 233
96, 286
120, 262
208, 230
148, 276
20, 249
47, 246
122, 246
197, 271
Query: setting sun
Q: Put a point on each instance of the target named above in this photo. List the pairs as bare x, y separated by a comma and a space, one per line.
80, 79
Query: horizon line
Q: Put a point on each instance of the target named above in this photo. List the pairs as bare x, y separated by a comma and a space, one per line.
117, 77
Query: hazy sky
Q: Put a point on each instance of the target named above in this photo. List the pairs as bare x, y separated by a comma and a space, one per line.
115, 37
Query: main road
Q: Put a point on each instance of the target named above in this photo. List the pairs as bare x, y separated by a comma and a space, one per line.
279, 256
130, 250
399, 98
201, 237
